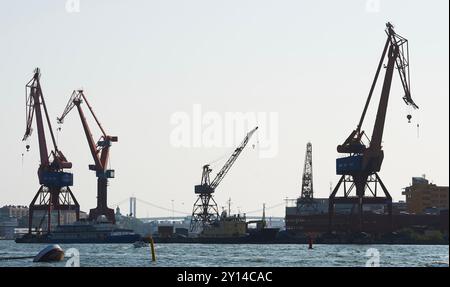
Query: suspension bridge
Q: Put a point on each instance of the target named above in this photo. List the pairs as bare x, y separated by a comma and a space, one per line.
182, 214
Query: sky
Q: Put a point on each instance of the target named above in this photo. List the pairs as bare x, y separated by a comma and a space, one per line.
302, 68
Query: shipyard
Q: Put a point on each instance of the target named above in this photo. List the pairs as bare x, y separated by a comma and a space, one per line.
149, 157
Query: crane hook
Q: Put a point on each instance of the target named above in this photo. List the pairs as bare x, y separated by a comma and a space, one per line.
409, 118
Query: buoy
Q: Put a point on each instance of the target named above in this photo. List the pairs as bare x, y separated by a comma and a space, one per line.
28, 147
50, 253
152, 247
409, 118
139, 244
310, 243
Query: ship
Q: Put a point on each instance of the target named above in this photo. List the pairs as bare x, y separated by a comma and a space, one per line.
83, 232
226, 230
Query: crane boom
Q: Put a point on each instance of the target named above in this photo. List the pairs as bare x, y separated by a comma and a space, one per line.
397, 51
398, 56
75, 100
221, 174
206, 186
34, 100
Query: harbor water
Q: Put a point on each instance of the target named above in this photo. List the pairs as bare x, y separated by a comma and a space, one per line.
232, 255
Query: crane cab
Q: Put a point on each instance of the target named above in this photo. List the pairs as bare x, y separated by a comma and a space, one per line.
55, 178
349, 164
203, 189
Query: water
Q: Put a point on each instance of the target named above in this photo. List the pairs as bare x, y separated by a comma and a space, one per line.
247, 255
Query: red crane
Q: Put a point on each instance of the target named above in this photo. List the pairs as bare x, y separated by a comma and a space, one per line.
359, 170
100, 154
54, 193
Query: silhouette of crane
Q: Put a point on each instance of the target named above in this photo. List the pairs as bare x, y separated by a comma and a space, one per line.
54, 192
359, 170
205, 209
100, 155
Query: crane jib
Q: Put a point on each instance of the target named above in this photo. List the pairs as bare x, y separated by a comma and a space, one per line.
221, 174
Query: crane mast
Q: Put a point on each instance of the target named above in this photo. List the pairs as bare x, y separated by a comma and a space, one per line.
307, 178
306, 201
54, 192
359, 170
205, 209
99, 152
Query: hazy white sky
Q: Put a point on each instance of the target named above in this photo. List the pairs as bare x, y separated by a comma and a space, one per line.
140, 62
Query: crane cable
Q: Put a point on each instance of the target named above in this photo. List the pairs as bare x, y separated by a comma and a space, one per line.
214, 163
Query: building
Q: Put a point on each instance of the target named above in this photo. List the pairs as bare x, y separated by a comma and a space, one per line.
399, 207
7, 226
40, 219
423, 197
300, 220
13, 211
321, 205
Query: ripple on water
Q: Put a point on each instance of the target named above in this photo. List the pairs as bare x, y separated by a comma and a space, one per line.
203, 255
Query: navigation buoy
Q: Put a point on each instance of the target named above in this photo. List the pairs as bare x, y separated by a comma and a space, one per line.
50, 253
152, 248
310, 243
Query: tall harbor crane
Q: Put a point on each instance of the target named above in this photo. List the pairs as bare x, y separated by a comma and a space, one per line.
54, 193
205, 209
99, 152
306, 201
359, 169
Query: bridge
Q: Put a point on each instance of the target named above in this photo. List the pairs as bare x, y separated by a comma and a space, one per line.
179, 215
181, 218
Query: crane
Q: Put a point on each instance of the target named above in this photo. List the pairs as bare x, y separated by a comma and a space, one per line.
99, 152
306, 200
54, 192
359, 170
205, 209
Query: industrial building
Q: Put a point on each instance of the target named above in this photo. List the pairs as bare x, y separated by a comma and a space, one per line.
16, 211
426, 206
10, 219
7, 227
423, 197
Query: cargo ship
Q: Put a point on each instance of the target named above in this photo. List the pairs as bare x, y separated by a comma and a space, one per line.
83, 232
